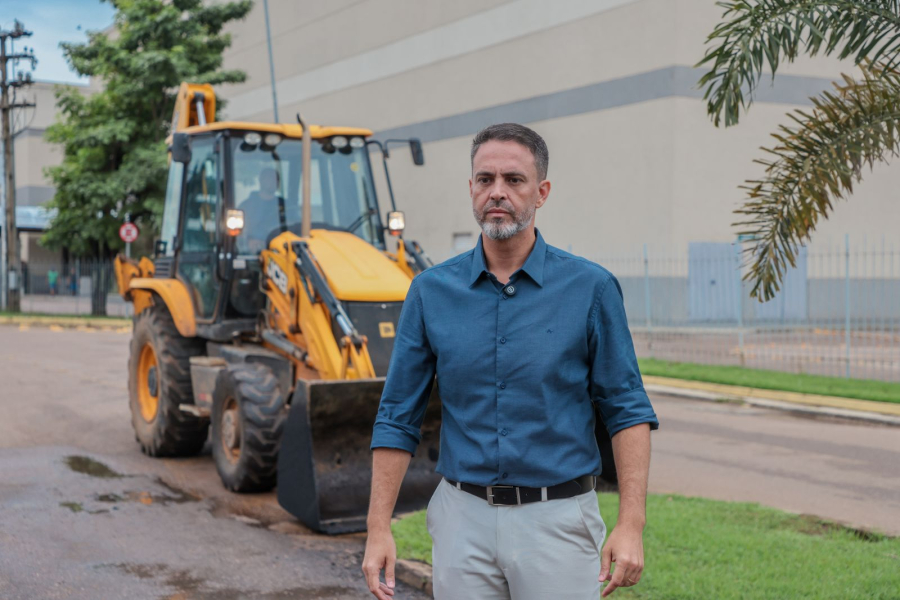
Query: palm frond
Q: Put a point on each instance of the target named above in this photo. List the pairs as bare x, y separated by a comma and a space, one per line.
760, 33
817, 161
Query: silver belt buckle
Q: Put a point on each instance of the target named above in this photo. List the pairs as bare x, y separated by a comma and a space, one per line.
490, 494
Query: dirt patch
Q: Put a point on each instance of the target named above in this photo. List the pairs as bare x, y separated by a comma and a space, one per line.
180, 494
89, 466
813, 525
147, 498
730, 400
256, 512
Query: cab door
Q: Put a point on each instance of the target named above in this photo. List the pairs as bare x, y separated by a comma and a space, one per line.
200, 228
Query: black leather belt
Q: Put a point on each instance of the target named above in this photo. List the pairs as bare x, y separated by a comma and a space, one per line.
512, 495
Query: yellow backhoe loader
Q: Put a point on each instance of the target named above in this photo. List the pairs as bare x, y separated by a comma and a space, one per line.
268, 312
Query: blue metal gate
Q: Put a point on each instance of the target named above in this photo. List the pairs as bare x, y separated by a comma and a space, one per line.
713, 281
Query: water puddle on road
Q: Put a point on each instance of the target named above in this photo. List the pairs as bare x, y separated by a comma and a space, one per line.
89, 466
173, 496
148, 498
77, 507
190, 587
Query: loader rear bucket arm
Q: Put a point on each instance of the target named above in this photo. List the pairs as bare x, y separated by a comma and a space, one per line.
128, 269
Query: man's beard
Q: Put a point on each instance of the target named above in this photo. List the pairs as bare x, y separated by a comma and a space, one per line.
496, 228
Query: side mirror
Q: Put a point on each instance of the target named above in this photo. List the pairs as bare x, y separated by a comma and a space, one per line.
415, 146
181, 148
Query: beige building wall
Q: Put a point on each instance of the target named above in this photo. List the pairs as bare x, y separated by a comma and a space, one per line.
609, 83
33, 152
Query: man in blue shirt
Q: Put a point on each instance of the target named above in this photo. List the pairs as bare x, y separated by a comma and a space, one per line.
523, 340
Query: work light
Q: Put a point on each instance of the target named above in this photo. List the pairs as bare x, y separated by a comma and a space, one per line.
234, 221
396, 222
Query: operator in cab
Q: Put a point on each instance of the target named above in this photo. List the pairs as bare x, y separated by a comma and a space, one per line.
266, 213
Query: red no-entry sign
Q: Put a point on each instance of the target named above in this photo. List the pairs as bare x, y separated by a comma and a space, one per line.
128, 232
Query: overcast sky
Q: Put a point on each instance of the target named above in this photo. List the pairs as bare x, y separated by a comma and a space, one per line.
52, 22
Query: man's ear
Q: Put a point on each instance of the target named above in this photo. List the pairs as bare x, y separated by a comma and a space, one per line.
543, 192
470, 188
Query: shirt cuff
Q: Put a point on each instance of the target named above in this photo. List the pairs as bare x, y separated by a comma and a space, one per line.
390, 434
627, 410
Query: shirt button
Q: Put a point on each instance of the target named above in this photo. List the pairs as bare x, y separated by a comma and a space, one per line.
503, 432
505, 475
502, 340
502, 386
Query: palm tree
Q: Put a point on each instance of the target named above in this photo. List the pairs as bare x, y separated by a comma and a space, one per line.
821, 154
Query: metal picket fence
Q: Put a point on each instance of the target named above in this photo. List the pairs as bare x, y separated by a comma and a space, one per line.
71, 288
837, 313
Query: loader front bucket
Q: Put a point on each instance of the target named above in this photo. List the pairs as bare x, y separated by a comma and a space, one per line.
325, 465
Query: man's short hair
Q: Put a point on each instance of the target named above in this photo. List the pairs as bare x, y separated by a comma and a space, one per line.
513, 132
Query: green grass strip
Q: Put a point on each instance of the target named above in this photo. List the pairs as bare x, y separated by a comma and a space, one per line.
698, 548
863, 389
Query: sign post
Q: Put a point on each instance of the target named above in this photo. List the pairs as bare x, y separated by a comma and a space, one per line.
128, 232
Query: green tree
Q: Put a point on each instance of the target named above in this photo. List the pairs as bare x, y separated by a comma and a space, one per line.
820, 156
114, 152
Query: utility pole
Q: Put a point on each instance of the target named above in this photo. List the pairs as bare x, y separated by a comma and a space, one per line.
10, 231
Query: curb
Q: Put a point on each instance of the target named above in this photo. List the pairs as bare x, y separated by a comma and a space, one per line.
415, 574
885, 413
53, 322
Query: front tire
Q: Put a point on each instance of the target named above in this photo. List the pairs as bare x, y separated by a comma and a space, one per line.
248, 417
159, 380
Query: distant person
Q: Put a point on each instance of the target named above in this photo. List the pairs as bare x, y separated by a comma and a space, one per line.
73, 283
263, 212
52, 278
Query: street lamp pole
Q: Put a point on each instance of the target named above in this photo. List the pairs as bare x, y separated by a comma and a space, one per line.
271, 61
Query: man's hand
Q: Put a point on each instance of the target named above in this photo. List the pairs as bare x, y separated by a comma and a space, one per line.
625, 547
388, 467
381, 553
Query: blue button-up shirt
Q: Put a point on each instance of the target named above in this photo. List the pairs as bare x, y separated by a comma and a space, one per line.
518, 367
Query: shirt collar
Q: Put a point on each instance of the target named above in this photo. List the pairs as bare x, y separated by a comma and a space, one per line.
533, 267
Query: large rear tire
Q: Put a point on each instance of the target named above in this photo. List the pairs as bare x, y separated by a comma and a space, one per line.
248, 417
159, 380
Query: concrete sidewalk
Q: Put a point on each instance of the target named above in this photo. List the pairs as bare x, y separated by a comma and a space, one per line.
833, 406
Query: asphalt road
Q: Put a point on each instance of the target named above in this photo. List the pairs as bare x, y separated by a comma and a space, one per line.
146, 528
150, 528
842, 470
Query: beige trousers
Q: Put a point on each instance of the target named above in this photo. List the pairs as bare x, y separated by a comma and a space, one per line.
540, 550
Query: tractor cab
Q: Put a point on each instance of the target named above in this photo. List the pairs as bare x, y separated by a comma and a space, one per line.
234, 187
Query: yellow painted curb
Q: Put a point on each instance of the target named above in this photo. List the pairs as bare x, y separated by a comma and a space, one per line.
55, 323
884, 408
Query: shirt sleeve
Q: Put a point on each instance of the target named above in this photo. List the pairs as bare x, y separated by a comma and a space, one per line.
409, 381
616, 384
